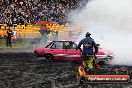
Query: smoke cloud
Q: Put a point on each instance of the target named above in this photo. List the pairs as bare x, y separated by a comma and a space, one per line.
110, 23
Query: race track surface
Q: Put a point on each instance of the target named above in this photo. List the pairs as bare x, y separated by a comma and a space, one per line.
24, 70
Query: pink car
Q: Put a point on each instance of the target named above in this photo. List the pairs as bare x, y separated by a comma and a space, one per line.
66, 50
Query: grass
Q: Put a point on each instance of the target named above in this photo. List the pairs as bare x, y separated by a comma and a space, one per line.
17, 45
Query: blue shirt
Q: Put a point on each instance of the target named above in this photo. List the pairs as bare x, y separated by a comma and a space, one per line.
88, 46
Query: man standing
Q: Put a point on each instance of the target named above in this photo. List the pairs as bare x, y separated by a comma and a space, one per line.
87, 52
9, 34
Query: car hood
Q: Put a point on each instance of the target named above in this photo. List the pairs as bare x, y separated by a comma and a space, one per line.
104, 51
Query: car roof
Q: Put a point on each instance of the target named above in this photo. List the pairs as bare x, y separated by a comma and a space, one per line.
63, 41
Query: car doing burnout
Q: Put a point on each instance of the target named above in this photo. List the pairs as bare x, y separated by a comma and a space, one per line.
66, 50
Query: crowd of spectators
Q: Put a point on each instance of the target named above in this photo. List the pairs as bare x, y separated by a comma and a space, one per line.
31, 11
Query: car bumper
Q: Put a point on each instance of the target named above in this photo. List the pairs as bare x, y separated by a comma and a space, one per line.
36, 54
104, 57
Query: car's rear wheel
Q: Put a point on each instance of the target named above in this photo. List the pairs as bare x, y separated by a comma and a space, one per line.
49, 57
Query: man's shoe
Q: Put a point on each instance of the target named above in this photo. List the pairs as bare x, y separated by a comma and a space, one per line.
89, 71
85, 69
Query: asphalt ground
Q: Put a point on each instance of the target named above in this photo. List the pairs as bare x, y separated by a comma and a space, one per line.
25, 70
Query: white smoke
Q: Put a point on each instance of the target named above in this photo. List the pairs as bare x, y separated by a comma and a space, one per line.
110, 23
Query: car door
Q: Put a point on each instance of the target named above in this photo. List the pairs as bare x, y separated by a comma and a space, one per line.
71, 52
57, 50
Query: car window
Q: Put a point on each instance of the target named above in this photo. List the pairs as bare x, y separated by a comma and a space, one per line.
50, 44
70, 45
57, 45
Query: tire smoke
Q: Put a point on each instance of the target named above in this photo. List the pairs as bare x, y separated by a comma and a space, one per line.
109, 22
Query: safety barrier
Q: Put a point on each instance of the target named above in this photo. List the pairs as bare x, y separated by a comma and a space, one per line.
21, 30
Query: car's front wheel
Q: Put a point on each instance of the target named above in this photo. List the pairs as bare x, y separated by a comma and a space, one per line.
49, 57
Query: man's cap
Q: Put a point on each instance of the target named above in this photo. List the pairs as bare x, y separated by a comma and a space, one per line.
88, 33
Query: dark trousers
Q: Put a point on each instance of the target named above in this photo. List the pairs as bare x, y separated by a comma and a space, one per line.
8, 42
